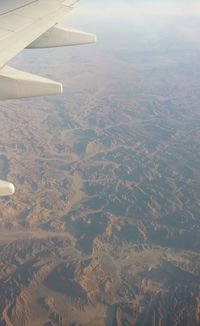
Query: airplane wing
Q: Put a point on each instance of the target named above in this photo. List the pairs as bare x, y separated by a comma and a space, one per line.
32, 24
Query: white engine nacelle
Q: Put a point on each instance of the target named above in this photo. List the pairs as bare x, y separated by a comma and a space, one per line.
6, 188
18, 84
60, 35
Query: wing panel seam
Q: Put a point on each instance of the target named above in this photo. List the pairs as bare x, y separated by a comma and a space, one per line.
20, 7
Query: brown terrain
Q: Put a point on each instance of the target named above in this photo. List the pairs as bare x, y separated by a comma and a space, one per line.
104, 227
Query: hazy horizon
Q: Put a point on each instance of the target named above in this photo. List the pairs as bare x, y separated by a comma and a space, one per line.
104, 227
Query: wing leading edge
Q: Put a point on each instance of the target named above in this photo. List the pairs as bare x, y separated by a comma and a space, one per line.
32, 24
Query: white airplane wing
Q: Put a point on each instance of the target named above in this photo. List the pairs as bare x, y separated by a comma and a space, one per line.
32, 24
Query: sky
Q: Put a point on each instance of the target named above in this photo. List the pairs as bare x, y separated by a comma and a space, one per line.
103, 16
130, 9
128, 26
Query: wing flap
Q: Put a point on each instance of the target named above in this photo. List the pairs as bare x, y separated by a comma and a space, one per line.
4, 33
18, 84
10, 6
14, 22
